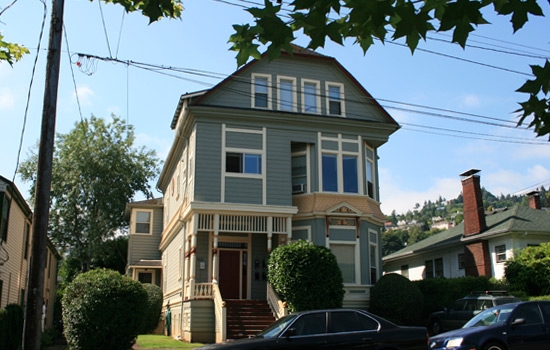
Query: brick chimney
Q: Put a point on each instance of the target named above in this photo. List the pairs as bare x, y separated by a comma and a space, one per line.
474, 213
533, 198
477, 260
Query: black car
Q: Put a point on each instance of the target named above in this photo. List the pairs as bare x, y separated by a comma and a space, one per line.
459, 312
516, 326
332, 329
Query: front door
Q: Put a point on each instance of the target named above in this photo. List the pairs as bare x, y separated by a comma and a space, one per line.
232, 274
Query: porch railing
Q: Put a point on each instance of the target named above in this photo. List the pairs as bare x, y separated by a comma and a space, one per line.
203, 291
278, 307
220, 313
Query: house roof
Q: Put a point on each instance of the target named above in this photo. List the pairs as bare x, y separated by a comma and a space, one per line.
508, 220
147, 203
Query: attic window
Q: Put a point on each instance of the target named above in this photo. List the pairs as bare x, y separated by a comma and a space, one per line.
261, 92
335, 99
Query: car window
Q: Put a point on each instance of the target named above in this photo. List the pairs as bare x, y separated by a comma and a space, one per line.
501, 301
489, 317
529, 312
309, 324
471, 305
545, 306
483, 304
276, 327
351, 321
457, 305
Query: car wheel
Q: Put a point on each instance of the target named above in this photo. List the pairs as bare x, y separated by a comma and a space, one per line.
436, 326
494, 346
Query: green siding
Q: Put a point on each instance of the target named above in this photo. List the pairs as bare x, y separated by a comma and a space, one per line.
208, 163
342, 235
243, 190
279, 172
245, 140
258, 268
201, 275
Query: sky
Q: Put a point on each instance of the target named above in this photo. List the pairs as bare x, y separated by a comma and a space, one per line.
430, 94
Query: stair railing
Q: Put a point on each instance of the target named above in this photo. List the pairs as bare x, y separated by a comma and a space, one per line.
220, 314
278, 307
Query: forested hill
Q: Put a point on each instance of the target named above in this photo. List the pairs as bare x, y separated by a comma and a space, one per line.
416, 224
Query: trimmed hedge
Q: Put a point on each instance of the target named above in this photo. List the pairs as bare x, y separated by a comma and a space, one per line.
396, 298
154, 307
11, 327
306, 276
103, 310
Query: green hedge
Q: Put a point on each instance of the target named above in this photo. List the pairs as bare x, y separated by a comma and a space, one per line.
306, 276
11, 327
397, 299
154, 307
103, 310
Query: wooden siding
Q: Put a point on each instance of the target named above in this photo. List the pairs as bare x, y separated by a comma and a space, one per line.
201, 320
258, 267
279, 172
243, 190
146, 247
235, 139
172, 265
208, 163
202, 254
339, 234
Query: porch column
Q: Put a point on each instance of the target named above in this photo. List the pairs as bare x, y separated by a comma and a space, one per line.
193, 256
289, 228
269, 233
186, 250
215, 265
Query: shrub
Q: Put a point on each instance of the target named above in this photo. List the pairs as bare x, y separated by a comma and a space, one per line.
396, 298
154, 306
103, 310
306, 276
11, 327
529, 270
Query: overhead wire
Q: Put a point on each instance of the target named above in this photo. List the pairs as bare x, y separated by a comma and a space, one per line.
72, 73
104, 28
26, 113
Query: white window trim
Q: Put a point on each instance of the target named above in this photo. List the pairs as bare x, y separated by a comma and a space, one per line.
357, 259
253, 88
339, 163
342, 98
134, 222
377, 257
317, 84
294, 93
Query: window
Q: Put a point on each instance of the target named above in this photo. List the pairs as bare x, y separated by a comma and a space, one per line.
335, 99
4, 216
461, 261
261, 94
311, 96
500, 251
145, 277
330, 173
143, 222
369, 172
351, 183
243, 163
373, 253
287, 93
351, 321
434, 268
345, 255
349, 172
299, 173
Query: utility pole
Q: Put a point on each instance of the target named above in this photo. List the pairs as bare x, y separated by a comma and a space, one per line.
35, 294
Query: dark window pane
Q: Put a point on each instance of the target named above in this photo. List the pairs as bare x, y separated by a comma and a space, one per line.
233, 163
330, 173
351, 183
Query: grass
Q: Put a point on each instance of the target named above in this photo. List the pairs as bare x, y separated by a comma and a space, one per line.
151, 341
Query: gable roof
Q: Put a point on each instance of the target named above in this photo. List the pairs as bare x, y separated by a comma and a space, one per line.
298, 51
508, 220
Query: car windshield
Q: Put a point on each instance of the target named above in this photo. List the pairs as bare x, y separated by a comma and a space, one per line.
277, 327
496, 315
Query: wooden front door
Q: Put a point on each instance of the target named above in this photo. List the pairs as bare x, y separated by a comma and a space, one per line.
231, 279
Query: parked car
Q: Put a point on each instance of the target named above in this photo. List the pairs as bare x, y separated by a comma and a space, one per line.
332, 329
459, 312
521, 326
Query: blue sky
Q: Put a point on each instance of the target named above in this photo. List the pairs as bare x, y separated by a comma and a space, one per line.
421, 161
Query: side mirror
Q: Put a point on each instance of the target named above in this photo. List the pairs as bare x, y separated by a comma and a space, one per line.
518, 321
290, 332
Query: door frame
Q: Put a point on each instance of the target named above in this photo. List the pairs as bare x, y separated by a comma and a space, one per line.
246, 282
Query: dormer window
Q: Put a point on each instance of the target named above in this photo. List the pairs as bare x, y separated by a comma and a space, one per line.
261, 92
335, 98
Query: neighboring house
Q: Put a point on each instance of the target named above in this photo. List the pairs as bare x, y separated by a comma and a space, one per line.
480, 245
144, 259
15, 252
279, 151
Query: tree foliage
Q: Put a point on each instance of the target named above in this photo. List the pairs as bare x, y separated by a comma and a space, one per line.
365, 21
529, 270
96, 171
306, 276
152, 9
154, 307
103, 310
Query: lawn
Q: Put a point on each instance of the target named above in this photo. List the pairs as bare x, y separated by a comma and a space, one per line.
150, 341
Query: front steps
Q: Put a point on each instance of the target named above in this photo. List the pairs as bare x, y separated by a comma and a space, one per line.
245, 318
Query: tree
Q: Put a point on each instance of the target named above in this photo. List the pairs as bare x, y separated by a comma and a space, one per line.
529, 270
96, 171
366, 21
153, 9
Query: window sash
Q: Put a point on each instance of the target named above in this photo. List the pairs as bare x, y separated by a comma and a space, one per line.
246, 163
500, 251
330, 173
310, 98
286, 95
351, 179
334, 100
261, 92
345, 256
143, 222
